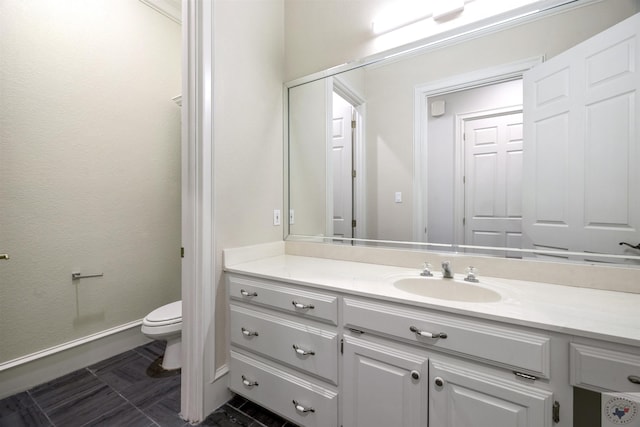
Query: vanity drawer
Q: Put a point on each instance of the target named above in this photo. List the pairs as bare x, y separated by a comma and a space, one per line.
604, 369
301, 346
277, 390
309, 304
509, 347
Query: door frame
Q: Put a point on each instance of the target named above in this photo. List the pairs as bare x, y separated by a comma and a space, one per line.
349, 94
198, 391
422, 93
460, 194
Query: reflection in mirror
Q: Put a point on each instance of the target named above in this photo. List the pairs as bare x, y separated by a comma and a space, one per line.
504, 161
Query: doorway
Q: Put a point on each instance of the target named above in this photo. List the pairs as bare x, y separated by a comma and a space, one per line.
473, 144
90, 167
346, 145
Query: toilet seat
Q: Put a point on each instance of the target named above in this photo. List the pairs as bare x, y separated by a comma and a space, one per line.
169, 314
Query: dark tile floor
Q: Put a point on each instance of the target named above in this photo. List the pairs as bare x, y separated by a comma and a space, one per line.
120, 392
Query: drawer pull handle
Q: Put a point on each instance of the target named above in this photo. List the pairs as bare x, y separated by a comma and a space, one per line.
302, 306
248, 333
248, 294
427, 334
303, 352
525, 376
301, 408
248, 383
438, 381
634, 379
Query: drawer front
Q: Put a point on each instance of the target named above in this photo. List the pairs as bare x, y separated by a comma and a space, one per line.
276, 390
505, 346
602, 369
310, 304
301, 346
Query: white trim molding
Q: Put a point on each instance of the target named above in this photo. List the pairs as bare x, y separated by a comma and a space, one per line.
198, 268
169, 8
68, 345
21, 374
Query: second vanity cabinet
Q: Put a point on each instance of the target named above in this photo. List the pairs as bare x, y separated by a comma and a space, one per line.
323, 358
444, 377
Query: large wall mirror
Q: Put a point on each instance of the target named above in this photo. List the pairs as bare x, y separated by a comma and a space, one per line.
479, 144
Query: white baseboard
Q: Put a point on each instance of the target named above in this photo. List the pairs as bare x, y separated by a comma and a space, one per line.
24, 373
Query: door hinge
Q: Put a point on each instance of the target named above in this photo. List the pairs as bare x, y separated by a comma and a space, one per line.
353, 223
341, 345
353, 174
464, 179
353, 124
556, 412
464, 221
182, 252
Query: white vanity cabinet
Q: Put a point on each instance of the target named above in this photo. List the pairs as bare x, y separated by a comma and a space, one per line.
284, 349
601, 366
448, 368
463, 395
384, 384
331, 358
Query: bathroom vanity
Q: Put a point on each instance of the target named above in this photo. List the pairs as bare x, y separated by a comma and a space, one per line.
327, 342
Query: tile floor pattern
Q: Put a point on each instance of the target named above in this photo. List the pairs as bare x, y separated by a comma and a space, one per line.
119, 392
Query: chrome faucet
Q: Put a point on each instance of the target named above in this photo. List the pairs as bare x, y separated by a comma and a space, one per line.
446, 270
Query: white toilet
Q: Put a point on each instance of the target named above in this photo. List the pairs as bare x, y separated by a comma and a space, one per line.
165, 323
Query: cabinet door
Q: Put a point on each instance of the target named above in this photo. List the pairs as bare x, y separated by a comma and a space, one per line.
383, 386
463, 396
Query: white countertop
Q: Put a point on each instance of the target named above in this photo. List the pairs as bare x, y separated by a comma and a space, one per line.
592, 313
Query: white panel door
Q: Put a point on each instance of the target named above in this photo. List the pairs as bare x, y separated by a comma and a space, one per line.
493, 180
342, 155
582, 132
383, 386
463, 397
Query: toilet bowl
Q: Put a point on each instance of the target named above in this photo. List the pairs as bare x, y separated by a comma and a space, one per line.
165, 323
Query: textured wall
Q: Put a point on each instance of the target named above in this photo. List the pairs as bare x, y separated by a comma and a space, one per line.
89, 166
247, 117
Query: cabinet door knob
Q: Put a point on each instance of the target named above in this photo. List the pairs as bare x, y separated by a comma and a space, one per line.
438, 381
634, 379
249, 383
302, 306
301, 408
248, 294
415, 375
248, 333
427, 334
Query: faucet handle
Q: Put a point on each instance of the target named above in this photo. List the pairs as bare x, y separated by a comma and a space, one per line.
471, 274
426, 270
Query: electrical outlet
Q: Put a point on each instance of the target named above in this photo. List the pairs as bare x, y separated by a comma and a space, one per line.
276, 217
291, 217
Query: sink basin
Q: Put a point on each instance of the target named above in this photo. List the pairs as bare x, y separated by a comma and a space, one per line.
446, 289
